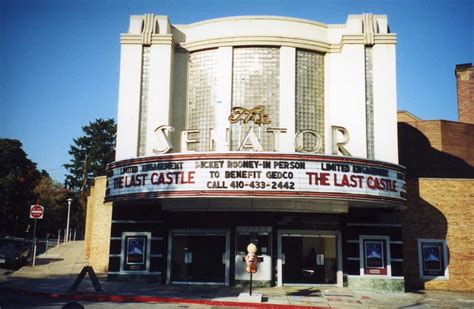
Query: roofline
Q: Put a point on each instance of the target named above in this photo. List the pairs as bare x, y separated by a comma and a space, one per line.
258, 17
410, 114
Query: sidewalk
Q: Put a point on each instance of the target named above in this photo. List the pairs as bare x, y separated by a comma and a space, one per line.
57, 269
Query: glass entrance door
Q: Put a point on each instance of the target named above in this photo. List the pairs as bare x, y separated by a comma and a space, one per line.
198, 258
309, 259
261, 236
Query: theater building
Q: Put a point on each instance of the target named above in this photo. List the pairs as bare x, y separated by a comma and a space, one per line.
272, 130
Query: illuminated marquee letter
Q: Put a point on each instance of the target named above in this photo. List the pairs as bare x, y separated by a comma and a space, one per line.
185, 140
163, 141
251, 141
300, 145
221, 142
339, 146
276, 137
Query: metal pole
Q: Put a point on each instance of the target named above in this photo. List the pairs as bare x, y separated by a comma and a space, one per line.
59, 237
69, 200
34, 244
47, 245
250, 294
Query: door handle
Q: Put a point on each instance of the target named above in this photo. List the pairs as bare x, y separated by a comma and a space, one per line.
188, 257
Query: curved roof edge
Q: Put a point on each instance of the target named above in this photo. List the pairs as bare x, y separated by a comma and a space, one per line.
257, 17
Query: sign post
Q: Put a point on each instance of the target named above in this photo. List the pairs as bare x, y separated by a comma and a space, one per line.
36, 212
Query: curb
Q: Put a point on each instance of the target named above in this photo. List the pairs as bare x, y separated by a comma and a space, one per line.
152, 299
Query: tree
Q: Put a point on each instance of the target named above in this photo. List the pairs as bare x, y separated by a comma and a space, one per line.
53, 196
90, 155
18, 178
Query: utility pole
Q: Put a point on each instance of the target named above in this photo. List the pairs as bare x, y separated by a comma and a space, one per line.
84, 178
69, 200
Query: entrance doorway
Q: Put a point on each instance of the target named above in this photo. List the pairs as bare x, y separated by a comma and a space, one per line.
198, 257
307, 257
261, 236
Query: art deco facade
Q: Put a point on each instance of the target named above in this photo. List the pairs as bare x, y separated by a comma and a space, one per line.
277, 131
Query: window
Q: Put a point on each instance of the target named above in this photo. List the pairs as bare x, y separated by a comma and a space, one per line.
432, 259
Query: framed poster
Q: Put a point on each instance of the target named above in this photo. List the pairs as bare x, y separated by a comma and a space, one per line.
135, 251
375, 257
432, 256
374, 254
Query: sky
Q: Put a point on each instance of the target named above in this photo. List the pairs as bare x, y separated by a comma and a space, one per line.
59, 59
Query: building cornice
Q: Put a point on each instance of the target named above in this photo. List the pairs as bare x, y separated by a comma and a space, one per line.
365, 29
156, 39
167, 39
286, 41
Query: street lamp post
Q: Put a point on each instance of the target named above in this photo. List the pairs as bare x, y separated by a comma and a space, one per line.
69, 200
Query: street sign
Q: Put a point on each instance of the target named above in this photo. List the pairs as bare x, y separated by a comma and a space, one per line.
36, 211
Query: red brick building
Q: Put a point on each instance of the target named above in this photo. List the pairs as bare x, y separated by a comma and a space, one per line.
465, 87
437, 226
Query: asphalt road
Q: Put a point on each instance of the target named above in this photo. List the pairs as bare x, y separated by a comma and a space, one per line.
10, 300
4, 273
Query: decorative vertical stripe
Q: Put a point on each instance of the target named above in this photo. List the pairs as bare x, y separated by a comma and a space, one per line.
203, 75
369, 103
144, 101
148, 25
256, 81
310, 95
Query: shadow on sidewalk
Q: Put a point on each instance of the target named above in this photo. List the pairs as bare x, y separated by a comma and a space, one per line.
46, 261
306, 292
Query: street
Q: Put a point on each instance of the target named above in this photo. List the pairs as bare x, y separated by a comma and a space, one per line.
12, 300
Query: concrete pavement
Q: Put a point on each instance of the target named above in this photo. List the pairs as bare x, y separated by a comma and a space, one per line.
57, 269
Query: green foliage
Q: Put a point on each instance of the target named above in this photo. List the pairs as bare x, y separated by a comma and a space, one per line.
53, 196
90, 154
18, 178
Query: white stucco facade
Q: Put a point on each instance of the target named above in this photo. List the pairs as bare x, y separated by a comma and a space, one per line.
274, 131
343, 46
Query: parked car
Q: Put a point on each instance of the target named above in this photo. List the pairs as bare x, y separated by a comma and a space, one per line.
13, 253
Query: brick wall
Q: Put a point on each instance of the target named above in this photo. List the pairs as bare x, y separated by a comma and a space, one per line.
458, 140
465, 90
404, 116
437, 148
98, 223
440, 209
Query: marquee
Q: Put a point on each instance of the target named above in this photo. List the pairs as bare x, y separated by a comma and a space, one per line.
255, 175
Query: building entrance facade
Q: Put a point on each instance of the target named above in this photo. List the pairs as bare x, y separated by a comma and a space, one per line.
309, 258
198, 257
208, 256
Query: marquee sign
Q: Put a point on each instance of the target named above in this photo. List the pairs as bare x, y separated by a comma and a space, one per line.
255, 175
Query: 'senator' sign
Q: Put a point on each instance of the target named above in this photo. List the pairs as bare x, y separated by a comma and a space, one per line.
36, 211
